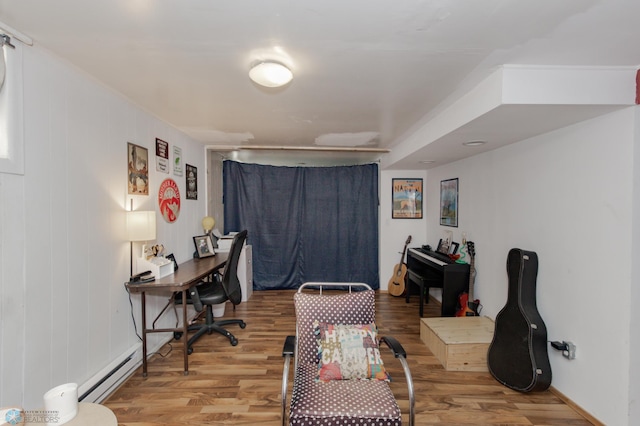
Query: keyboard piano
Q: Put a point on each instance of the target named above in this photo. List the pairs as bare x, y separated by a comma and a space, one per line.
437, 270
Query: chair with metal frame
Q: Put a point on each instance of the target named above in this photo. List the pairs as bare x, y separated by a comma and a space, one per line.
339, 378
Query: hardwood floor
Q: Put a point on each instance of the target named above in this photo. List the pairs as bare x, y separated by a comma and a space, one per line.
241, 385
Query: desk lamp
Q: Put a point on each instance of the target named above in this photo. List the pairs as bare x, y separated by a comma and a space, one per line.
208, 223
141, 226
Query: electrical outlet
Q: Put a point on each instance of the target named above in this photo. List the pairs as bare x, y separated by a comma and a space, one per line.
570, 350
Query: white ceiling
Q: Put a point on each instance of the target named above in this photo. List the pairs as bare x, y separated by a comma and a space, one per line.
364, 70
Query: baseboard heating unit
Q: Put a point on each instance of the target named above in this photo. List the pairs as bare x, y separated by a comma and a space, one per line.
98, 387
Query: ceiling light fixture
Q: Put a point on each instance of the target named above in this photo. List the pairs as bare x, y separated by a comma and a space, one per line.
474, 143
270, 74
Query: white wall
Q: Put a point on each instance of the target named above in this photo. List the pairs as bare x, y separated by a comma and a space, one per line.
569, 196
64, 313
394, 232
634, 335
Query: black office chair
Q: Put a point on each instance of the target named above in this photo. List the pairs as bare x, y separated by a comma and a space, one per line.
223, 288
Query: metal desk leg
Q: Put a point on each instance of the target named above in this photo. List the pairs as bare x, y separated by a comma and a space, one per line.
143, 303
185, 330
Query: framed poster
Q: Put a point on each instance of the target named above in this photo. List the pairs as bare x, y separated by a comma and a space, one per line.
449, 202
177, 161
162, 156
192, 182
138, 170
407, 198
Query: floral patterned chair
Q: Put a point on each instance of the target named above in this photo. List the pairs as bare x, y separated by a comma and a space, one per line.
339, 377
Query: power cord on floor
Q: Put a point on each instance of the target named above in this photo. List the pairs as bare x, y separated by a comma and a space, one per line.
165, 355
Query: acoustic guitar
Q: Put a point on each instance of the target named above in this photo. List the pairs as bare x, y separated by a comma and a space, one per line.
396, 283
469, 307
517, 355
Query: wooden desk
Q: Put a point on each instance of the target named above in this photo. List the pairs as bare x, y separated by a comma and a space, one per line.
188, 275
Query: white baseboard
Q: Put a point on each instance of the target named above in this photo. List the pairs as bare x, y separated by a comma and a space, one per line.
103, 383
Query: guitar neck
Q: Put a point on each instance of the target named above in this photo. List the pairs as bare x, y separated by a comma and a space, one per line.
472, 278
404, 250
472, 268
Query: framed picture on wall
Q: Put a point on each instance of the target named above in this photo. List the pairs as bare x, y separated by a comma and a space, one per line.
449, 202
192, 182
138, 169
177, 161
407, 198
162, 156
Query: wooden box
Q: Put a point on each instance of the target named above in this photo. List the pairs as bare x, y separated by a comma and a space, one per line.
460, 344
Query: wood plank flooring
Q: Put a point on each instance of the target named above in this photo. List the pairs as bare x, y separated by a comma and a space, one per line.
241, 385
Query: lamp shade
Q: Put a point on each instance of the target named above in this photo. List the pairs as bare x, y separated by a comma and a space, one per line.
207, 223
141, 225
270, 74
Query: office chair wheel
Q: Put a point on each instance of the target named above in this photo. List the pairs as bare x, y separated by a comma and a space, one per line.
177, 335
242, 325
234, 342
189, 351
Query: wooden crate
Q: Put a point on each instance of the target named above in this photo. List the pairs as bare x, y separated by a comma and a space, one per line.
460, 344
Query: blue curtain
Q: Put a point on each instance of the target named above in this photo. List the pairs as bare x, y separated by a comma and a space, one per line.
305, 223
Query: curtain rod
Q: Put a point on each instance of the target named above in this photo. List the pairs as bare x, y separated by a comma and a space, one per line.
310, 148
294, 148
16, 34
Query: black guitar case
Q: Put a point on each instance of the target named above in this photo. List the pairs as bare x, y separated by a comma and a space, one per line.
518, 355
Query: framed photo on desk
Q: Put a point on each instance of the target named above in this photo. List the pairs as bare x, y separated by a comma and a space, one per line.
204, 246
172, 258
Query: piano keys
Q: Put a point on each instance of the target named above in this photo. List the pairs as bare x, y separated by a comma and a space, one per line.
426, 269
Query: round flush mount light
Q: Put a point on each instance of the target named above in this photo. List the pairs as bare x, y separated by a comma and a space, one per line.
474, 143
270, 74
